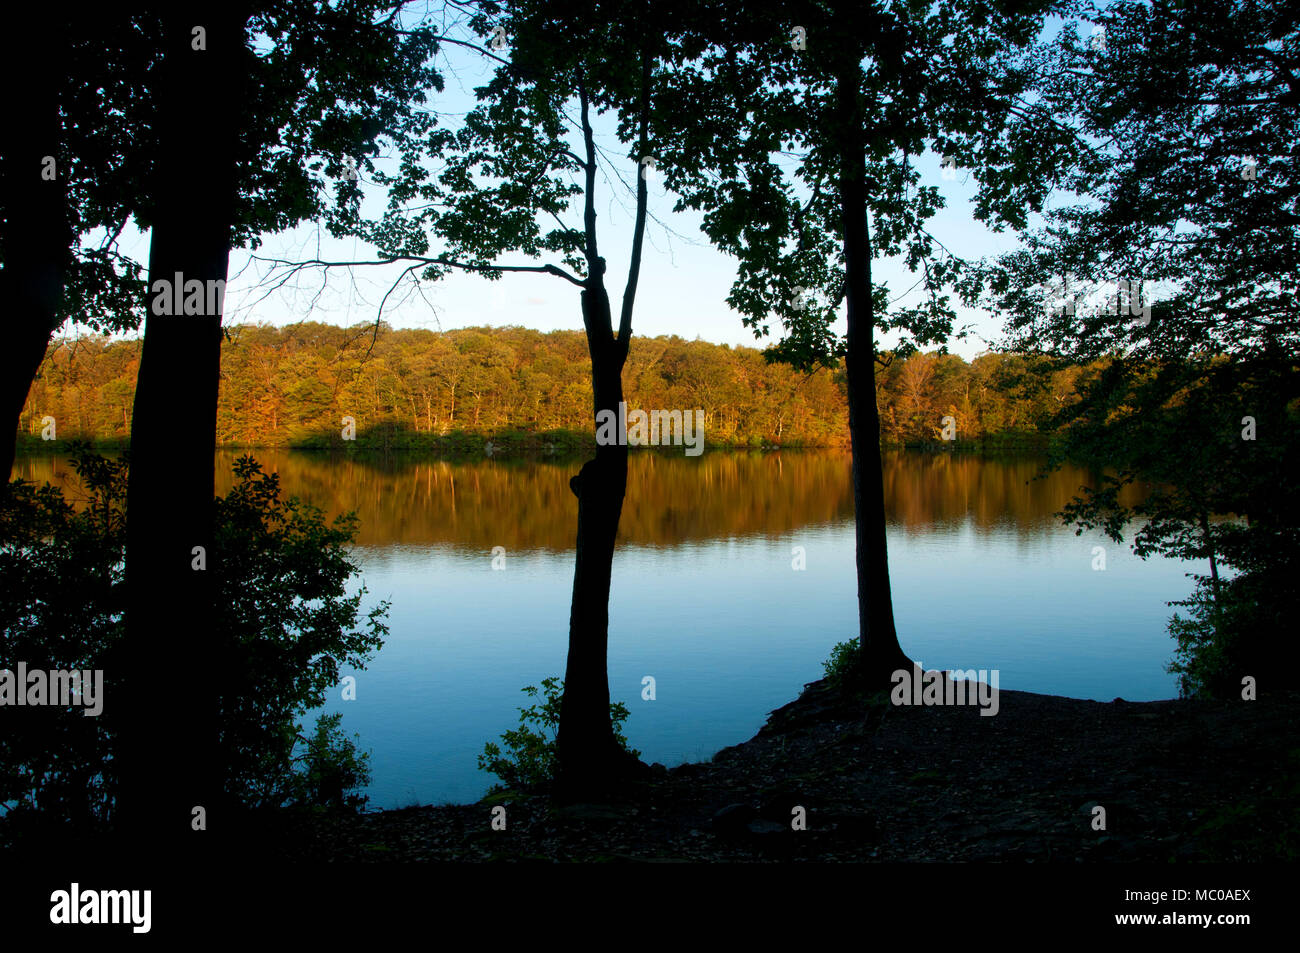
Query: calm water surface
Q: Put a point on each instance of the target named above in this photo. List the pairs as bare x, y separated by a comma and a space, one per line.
704, 597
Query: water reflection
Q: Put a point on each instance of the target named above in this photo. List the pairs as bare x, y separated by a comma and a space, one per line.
705, 596
526, 505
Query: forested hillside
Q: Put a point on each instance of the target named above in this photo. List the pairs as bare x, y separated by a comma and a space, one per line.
293, 386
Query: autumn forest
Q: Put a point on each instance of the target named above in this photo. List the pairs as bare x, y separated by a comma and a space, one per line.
292, 386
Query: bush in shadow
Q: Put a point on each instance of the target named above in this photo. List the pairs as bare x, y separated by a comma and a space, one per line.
282, 576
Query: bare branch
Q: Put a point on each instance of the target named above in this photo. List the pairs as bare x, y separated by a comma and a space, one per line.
296, 266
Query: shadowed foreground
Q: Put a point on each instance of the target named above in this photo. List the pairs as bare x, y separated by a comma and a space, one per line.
1180, 781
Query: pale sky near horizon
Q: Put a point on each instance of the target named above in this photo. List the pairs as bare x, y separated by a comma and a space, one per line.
684, 280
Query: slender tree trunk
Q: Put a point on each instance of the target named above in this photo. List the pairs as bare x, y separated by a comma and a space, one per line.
171, 760
590, 758
881, 654
37, 241
1214, 569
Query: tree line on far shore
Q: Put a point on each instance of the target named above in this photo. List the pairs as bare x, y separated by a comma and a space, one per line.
293, 386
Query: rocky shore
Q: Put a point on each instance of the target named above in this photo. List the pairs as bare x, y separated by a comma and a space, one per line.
1178, 781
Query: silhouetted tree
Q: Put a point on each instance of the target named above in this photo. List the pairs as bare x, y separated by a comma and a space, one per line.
795, 131
241, 140
510, 166
69, 138
1177, 275
174, 656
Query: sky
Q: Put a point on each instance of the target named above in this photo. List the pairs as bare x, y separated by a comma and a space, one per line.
684, 280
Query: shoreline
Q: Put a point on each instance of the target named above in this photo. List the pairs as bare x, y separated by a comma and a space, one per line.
1179, 780
506, 446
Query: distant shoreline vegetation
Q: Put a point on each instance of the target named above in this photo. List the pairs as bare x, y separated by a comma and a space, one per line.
515, 390
561, 444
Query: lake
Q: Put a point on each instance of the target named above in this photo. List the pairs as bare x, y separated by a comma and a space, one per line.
705, 598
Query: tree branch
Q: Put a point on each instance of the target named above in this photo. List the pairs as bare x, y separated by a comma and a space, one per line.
638, 234
296, 266
595, 267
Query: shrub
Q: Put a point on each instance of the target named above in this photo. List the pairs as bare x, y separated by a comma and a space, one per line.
530, 758
331, 769
842, 665
1245, 632
62, 582
283, 595
282, 575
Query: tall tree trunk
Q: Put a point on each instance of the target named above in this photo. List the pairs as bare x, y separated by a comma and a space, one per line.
881, 653
171, 762
37, 238
591, 761
590, 758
